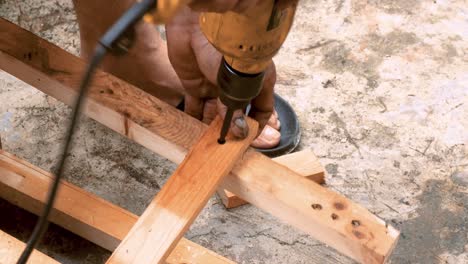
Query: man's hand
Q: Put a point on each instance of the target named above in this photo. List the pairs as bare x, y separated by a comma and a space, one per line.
196, 62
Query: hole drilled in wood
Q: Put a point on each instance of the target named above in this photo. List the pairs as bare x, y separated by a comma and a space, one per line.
355, 223
316, 206
107, 91
334, 216
339, 206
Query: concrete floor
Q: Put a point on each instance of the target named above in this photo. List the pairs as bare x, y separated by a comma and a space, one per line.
381, 90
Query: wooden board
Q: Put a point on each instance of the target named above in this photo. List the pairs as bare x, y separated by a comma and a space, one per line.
81, 212
181, 199
168, 132
11, 249
303, 162
326, 215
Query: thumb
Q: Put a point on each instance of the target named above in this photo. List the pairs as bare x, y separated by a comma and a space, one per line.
238, 126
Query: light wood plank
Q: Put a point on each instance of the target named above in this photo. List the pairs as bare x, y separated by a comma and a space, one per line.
81, 212
326, 215
11, 249
168, 132
181, 199
302, 162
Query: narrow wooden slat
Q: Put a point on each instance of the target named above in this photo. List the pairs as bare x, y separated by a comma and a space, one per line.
11, 248
168, 132
182, 198
303, 162
81, 212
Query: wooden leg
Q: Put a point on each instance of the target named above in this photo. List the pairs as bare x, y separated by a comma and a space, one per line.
303, 162
182, 198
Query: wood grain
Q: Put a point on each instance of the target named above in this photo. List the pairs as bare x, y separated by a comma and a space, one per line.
181, 199
168, 132
81, 212
312, 208
11, 248
303, 162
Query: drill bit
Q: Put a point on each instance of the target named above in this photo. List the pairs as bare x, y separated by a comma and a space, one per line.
226, 124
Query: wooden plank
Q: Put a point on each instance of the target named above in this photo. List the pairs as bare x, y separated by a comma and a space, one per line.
168, 132
11, 249
181, 199
326, 215
81, 212
303, 162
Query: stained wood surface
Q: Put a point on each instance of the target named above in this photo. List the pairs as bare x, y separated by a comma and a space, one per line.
11, 249
181, 199
168, 132
303, 162
81, 212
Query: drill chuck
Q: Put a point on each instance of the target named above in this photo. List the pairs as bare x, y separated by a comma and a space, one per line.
237, 89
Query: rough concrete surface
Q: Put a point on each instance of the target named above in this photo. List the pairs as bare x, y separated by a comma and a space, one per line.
381, 91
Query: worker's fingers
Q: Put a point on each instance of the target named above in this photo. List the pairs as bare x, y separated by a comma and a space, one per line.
275, 114
268, 138
262, 106
179, 35
194, 106
210, 110
200, 99
274, 122
183, 57
208, 58
238, 127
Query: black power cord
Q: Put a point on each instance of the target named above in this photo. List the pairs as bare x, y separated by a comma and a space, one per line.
112, 40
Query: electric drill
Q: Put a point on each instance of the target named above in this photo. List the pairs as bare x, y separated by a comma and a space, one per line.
248, 42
